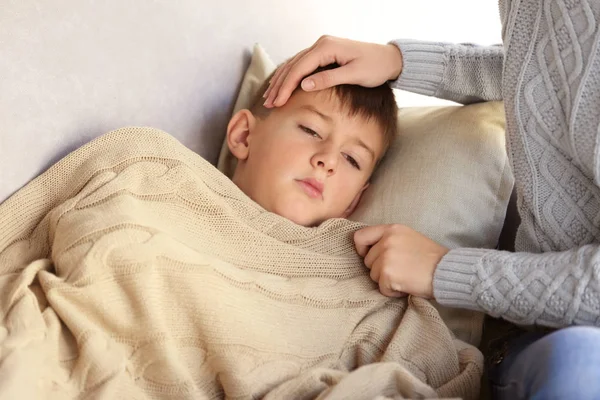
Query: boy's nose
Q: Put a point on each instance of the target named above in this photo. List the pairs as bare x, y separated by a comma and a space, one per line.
327, 161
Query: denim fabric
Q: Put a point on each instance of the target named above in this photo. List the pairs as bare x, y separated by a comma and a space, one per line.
562, 365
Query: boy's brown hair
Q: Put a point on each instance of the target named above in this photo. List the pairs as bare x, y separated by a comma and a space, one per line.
376, 103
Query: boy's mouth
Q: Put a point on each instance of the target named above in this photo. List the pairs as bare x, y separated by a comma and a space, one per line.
312, 187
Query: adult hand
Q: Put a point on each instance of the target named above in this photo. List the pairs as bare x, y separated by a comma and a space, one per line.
401, 260
365, 64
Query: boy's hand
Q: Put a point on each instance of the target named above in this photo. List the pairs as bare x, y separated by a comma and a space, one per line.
401, 260
361, 63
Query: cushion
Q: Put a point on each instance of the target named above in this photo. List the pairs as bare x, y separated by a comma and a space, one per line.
446, 175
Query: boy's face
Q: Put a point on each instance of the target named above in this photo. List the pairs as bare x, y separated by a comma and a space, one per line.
308, 160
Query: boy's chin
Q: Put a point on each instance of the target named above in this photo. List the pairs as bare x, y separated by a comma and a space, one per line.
305, 219
301, 213
299, 216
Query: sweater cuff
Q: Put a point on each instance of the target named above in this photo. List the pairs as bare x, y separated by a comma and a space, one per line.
455, 277
422, 66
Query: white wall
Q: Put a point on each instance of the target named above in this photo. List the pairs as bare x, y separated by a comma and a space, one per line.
71, 70
474, 21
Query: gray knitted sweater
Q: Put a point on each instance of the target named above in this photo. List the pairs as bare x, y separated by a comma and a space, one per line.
551, 92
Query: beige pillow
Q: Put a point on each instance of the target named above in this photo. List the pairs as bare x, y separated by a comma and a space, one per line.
447, 176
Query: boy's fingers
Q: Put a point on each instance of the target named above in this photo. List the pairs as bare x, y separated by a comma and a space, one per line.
367, 237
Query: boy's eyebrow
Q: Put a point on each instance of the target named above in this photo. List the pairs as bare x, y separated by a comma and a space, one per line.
313, 109
364, 145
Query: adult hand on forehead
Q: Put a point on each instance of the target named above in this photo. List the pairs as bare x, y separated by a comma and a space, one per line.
365, 64
402, 261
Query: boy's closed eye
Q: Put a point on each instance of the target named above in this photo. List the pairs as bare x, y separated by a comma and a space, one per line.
351, 160
310, 131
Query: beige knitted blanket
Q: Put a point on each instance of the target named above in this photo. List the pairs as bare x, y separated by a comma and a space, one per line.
134, 269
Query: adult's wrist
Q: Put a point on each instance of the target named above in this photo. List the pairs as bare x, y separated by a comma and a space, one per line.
396, 61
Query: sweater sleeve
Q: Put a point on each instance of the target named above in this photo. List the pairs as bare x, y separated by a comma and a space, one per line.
463, 73
551, 289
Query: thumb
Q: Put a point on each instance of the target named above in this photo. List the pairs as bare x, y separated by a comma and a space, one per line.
326, 79
367, 237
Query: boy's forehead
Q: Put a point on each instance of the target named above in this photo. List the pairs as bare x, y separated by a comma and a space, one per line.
324, 103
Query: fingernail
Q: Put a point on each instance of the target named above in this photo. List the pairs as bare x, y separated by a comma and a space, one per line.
308, 84
275, 101
267, 92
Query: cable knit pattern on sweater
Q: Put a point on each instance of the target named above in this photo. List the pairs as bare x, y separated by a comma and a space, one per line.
133, 268
551, 91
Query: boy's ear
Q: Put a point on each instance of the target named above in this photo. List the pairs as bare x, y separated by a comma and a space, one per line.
355, 202
238, 130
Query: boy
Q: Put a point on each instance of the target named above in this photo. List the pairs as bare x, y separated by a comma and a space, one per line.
133, 268
312, 159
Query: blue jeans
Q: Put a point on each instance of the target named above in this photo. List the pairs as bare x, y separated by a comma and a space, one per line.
563, 365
